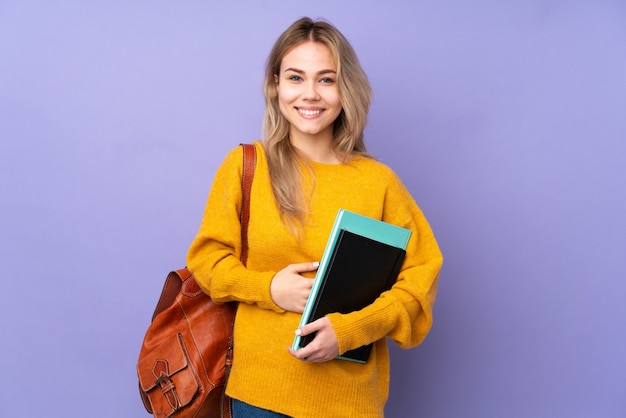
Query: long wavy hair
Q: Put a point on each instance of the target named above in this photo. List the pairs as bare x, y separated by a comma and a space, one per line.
284, 162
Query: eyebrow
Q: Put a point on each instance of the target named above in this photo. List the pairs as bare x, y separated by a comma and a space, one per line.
296, 70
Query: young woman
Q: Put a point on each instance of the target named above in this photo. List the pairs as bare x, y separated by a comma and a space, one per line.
311, 163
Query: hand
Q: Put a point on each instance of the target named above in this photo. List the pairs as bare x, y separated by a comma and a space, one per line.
289, 289
324, 345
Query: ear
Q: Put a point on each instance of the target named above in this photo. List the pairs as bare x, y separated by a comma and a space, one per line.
276, 78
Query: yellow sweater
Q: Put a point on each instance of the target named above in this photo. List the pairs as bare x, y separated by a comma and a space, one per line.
264, 373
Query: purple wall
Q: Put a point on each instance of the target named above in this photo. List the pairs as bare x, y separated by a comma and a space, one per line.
505, 119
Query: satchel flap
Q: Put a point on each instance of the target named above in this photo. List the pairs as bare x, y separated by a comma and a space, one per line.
166, 360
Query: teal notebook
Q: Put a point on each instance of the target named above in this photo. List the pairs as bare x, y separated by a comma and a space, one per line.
362, 259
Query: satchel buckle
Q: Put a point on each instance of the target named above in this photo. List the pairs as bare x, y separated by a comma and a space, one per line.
161, 379
164, 381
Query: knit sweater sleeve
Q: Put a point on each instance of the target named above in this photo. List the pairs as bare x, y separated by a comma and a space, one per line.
214, 255
403, 313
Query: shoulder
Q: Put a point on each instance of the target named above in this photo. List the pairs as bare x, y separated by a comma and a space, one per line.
400, 206
375, 169
229, 172
234, 158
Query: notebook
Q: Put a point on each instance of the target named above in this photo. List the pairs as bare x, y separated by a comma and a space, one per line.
362, 259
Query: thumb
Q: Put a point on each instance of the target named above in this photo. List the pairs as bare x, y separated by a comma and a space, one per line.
309, 328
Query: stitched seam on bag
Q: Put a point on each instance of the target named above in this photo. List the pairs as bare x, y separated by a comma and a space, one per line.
193, 340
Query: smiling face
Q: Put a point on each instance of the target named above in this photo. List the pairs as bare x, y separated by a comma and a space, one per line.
308, 94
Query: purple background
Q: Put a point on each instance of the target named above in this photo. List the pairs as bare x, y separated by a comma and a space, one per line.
506, 120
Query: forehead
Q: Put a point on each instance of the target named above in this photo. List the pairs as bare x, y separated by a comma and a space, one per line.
309, 56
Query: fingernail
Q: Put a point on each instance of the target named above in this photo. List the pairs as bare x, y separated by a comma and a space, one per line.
298, 332
316, 264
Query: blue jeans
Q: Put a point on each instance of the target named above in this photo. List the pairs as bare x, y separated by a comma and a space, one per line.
244, 410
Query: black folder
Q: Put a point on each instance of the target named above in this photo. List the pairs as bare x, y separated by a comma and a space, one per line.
359, 270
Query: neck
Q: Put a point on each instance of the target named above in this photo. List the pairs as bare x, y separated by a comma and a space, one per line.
317, 148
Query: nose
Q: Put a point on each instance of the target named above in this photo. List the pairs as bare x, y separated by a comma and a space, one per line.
311, 92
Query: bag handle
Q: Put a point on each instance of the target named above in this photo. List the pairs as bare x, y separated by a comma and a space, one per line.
175, 279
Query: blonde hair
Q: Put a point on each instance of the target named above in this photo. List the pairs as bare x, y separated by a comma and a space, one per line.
355, 95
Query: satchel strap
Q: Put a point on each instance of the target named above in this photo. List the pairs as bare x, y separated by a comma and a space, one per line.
249, 164
175, 279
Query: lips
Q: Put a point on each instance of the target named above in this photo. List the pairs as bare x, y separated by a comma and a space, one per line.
309, 112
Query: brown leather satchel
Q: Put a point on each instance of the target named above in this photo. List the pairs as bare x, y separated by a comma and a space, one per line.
187, 351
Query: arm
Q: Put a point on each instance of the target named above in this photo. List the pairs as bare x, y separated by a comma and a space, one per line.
214, 255
403, 313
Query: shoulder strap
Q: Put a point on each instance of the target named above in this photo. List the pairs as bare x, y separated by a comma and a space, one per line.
247, 175
249, 165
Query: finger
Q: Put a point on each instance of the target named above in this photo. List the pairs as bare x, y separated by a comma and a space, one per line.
311, 327
306, 330
304, 267
300, 354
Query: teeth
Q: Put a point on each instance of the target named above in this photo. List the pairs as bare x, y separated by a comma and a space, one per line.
310, 112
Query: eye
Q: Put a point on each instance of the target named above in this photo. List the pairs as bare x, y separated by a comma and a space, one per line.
327, 80
294, 77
